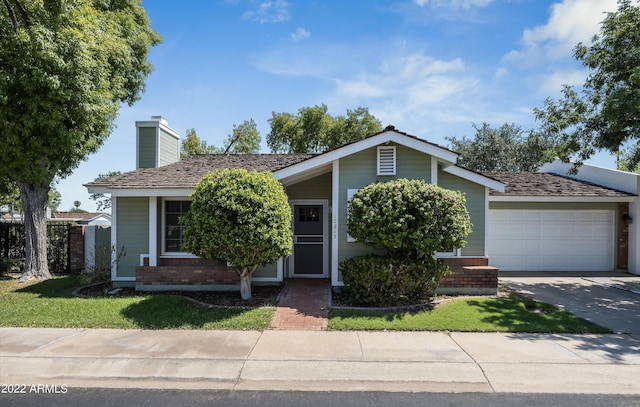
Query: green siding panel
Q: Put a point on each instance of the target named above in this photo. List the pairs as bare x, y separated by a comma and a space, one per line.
132, 232
169, 152
356, 171
412, 164
475, 201
146, 147
314, 188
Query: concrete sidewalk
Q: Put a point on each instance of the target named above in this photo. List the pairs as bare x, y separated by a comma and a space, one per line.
321, 360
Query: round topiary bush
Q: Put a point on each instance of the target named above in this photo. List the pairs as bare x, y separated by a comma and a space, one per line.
409, 217
240, 217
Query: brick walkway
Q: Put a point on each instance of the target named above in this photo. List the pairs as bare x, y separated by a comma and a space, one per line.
303, 306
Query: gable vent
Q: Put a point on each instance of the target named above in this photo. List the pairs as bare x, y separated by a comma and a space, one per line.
387, 160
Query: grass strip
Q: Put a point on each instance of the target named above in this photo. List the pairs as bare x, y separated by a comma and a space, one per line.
469, 315
50, 304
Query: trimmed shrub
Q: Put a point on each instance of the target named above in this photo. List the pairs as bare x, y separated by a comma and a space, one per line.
240, 217
412, 220
409, 218
387, 281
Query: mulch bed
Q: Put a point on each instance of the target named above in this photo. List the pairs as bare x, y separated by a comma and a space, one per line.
261, 296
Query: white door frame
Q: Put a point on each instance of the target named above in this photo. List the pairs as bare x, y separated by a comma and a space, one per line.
325, 236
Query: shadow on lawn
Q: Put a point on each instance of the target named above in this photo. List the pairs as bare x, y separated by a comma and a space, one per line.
523, 315
58, 287
167, 311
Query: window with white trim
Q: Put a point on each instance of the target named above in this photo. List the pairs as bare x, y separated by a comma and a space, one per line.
386, 160
173, 230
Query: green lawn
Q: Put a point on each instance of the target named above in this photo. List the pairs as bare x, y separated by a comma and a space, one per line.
469, 315
50, 304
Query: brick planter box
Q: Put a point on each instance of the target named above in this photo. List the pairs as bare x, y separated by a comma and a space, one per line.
471, 276
186, 275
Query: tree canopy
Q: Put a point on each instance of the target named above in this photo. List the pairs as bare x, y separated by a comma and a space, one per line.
239, 217
192, 145
10, 197
65, 67
605, 113
244, 139
506, 148
313, 130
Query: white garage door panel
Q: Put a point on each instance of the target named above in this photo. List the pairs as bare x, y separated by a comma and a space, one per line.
551, 240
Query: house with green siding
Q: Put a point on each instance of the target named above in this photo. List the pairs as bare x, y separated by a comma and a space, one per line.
148, 202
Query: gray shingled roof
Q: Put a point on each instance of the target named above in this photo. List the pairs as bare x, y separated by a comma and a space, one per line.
548, 184
187, 172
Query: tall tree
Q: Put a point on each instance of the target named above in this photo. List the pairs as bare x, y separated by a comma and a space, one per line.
356, 125
605, 114
245, 139
313, 130
192, 145
624, 162
65, 67
506, 148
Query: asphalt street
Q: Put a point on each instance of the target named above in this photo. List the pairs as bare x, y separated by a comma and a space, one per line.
160, 398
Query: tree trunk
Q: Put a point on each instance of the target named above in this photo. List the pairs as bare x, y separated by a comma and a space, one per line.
245, 282
34, 204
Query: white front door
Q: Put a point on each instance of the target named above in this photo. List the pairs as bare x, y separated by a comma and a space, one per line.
309, 258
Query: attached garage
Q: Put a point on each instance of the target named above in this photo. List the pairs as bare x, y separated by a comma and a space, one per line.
552, 240
548, 222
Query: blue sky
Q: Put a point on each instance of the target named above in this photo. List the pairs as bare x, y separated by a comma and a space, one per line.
429, 67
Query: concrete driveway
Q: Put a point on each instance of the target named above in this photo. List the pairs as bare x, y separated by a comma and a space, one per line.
607, 299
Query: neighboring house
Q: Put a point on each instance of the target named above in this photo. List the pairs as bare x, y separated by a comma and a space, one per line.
11, 217
554, 221
80, 218
147, 203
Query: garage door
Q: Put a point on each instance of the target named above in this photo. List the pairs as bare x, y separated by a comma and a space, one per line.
551, 240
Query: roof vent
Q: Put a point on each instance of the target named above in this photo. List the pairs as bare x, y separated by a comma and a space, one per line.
387, 160
390, 127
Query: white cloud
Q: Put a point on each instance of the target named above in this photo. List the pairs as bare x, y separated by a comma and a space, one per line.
453, 4
571, 22
412, 88
501, 72
300, 34
269, 11
553, 83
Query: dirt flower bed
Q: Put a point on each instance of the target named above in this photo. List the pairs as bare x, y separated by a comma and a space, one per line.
261, 296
